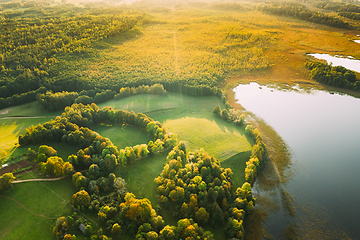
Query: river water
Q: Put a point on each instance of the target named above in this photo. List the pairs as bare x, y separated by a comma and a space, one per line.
322, 131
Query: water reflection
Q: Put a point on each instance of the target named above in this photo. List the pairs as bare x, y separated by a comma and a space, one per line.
323, 133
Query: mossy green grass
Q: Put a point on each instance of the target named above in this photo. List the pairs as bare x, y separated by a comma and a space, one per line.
171, 106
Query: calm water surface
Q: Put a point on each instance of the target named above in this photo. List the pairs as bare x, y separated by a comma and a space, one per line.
323, 133
347, 62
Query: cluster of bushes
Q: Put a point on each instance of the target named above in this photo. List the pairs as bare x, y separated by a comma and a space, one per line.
70, 128
298, 10
231, 115
350, 15
18, 99
6, 181
49, 163
334, 76
197, 187
258, 154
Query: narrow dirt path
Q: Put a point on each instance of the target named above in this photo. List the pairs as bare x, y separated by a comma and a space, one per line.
25, 208
39, 180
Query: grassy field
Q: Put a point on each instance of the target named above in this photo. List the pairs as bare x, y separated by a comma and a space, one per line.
218, 138
192, 120
185, 44
29, 210
162, 108
122, 135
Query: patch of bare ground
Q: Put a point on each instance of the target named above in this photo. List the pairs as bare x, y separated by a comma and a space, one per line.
19, 165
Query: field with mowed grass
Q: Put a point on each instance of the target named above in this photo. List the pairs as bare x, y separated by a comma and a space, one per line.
29, 210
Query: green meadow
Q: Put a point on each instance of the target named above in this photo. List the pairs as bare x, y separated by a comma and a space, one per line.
191, 119
122, 135
219, 139
29, 210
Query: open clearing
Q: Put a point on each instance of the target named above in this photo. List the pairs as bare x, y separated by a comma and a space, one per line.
122, 135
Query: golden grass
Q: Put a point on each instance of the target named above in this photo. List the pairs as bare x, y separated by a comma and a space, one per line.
191, 44
8, 138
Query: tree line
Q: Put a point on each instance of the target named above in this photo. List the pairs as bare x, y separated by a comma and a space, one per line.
299, 11
18, 99
258, 152
337, 6
336, 76
59, 100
